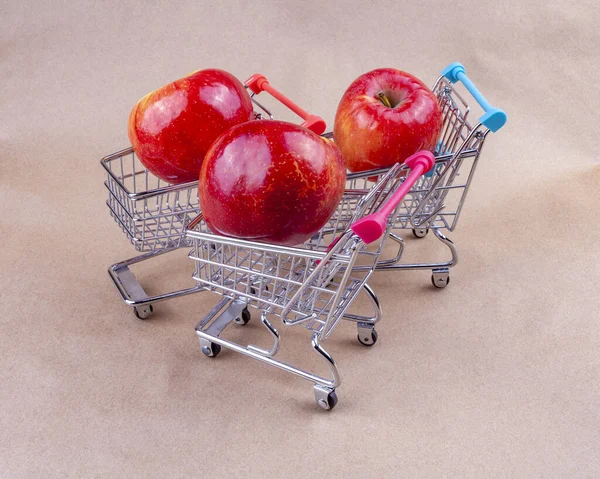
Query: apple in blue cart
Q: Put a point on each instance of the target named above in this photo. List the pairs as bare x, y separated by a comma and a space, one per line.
385, 116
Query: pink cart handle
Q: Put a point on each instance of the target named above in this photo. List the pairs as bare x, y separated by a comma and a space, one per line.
258, 83
371, 227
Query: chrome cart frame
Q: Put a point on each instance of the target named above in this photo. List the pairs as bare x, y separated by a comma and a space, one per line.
311, 285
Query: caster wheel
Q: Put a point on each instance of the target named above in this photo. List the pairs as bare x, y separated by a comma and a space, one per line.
143, 312
328, 402
367, 338
212, 350
420, 232
244, 317
440, 281
254, 291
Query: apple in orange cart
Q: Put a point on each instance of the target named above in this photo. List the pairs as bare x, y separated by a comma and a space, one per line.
271, 181
172, 128
385, 116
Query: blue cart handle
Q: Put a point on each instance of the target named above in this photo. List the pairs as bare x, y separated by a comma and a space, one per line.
493, 118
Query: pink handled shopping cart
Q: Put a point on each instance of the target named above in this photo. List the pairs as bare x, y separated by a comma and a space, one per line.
311, 286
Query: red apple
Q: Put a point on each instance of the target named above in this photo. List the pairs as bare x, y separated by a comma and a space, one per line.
172, 128
385, 116
271, 181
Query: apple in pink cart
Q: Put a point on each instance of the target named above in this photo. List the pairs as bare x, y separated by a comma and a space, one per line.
385, 116
271, 181
172, 128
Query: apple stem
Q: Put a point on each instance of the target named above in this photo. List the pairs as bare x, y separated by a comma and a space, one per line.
384, 99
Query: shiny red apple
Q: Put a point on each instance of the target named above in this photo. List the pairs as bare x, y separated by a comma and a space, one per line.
271, 181
172, 128
385, 116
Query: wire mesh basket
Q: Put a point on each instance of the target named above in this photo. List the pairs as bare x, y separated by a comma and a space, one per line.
152, 213
310, 285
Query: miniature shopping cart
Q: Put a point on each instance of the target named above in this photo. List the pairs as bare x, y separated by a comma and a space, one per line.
154, 214
310, 286
437, 198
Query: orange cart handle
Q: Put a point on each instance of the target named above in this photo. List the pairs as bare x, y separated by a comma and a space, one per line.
258, 83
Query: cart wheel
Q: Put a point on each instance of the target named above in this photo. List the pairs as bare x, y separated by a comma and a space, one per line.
143, 312
440, 279
420, 232
211, 350
326, 399
244, 317
254, 291
367, 339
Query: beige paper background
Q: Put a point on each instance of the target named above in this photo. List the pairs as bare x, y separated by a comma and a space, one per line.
496, 376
